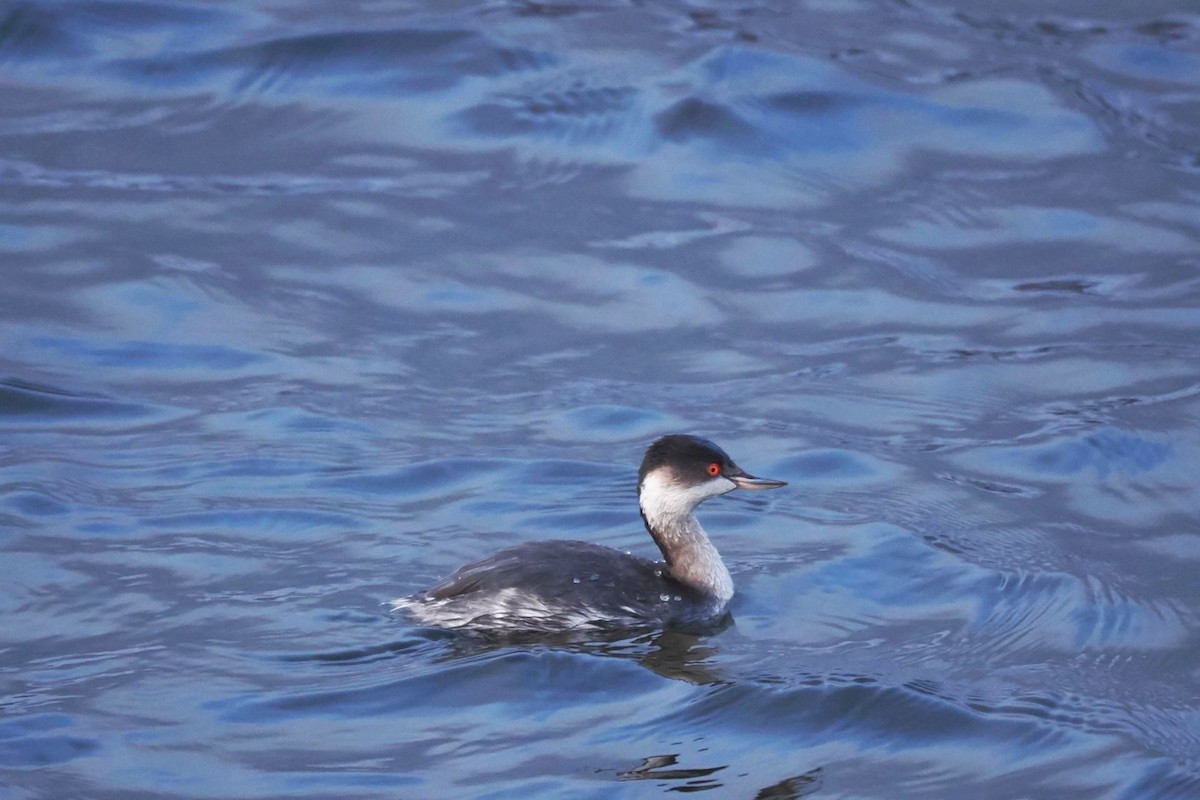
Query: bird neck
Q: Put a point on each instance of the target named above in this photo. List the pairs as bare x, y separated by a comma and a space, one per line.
690, 556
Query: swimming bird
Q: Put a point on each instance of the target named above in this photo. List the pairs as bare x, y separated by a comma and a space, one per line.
561, 585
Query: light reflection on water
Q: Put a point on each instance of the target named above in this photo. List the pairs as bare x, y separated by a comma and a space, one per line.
302, 311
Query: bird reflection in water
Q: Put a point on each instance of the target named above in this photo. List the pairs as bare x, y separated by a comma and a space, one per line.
672, 653
698, 779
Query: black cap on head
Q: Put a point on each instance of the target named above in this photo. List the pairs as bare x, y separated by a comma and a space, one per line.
688, 456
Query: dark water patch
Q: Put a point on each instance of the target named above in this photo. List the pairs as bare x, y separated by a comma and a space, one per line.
837, 466
502, 679
257, 522
997, 615
583, 524
694, 118
1059, 286
423, 479
810, 102
150, 355
1165, 781
28, 31
117, 15
996, 487
574, 113
1014, 354
500, 509
32, 504
251, 468
988, 117
730, 84
73, 30
305, 421
857, 705
353, 62
21, 401
605, 421
1106, 452
33, 724
869, 717
39, 752
412, 646
1103, 411
1154, 64
554, 472
529, 8
1169, 729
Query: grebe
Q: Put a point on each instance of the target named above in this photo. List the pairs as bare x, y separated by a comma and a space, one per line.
563, 585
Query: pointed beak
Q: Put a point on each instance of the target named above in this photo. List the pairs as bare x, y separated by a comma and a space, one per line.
745, 481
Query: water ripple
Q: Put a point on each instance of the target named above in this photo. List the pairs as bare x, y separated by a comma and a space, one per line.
305, 306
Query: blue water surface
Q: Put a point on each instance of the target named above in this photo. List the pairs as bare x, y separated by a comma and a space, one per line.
307, 304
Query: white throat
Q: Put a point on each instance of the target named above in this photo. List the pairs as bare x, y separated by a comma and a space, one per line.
667, 507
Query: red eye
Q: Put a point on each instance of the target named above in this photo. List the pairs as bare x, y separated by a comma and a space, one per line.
714, 469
